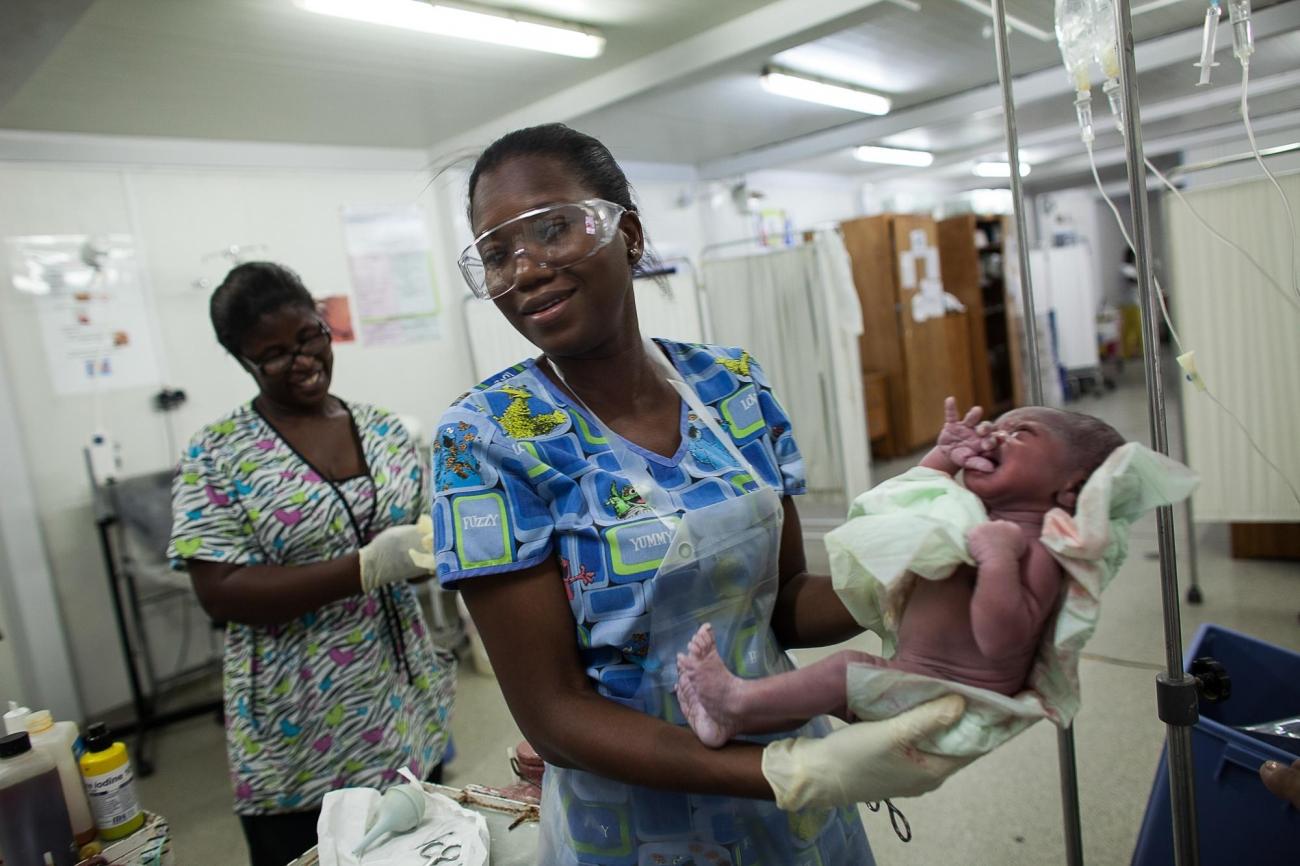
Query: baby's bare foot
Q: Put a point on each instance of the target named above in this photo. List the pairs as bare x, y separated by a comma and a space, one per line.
707, 691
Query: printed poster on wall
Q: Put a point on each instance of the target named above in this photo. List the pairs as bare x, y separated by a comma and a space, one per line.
390, 258
90, 308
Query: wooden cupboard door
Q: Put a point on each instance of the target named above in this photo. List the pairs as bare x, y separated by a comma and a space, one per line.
927, 375
959, 261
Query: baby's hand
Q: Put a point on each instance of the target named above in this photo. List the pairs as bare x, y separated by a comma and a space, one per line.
997, 539
965, 441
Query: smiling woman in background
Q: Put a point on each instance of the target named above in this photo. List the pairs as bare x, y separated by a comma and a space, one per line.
294, 516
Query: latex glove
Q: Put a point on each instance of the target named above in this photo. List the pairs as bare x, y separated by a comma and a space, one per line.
965, 441
864, 762
996, 540
423, 555
387, 558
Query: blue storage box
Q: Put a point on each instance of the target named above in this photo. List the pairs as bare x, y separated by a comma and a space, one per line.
1239, 821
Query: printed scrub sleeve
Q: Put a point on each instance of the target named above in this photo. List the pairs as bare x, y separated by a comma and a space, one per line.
346, 694
521, 475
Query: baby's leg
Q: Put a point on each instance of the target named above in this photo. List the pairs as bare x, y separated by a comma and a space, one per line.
719, 705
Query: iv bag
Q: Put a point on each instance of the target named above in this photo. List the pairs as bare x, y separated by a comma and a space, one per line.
1105, 44
1074, 21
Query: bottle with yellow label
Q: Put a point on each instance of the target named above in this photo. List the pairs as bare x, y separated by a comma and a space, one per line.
110, 784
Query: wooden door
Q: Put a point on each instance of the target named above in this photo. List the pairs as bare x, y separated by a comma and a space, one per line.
928, 376
870, 247
959, 261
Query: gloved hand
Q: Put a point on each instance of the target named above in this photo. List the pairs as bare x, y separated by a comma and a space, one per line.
423, 555
965, 441
864, 762
387, 558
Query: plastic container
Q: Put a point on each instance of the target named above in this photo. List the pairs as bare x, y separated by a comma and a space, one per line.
34, 825
1239, 821
58, 742
110, 784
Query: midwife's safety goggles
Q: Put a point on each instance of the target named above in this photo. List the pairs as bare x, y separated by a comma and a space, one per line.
554, 237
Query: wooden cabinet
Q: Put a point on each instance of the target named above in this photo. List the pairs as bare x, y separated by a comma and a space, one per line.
922, 360
976, 258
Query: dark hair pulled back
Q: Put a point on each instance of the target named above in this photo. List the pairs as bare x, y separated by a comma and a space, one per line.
585, 156
247, 293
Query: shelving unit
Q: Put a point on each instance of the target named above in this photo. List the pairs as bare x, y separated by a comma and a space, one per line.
975, 258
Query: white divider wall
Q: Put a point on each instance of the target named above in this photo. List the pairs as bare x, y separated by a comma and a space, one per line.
1244, 336
177, 216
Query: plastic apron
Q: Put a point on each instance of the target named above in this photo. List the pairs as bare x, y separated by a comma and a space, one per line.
721, 567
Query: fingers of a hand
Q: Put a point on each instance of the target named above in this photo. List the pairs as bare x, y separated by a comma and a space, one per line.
929, 718
973, 416
979, 464
950, 410
1282, 781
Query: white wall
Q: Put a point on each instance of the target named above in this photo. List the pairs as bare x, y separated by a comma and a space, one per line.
1245, 170
177, 216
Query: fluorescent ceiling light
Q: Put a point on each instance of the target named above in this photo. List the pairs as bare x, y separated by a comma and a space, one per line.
893, 156
825, 93
500, 29
998, 169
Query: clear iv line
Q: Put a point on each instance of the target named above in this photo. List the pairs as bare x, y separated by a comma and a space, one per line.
1221, 237
1195, 376
1254, 148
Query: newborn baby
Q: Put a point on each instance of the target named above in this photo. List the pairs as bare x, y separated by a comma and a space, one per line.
982, 625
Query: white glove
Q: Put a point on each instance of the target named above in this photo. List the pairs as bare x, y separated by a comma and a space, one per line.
387, 558
864, 762
423, 555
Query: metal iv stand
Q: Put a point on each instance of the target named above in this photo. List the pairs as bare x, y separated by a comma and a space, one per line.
1177, 693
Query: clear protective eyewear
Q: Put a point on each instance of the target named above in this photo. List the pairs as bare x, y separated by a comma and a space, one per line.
554, 237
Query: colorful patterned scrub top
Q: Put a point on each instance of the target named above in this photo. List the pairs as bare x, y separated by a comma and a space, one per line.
345, 695
521, 474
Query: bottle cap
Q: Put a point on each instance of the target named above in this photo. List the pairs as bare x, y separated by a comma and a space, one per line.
39, 721
15, 718
98, 738
14, 744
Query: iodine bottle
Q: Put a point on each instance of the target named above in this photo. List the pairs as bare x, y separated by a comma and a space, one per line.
110, 784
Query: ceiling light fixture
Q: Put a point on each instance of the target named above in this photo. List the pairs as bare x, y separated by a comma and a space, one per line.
998, 169
516, 31
893, 156
797, 86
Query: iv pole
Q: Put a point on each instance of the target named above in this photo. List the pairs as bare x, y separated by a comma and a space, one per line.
1177, 694
1064, 736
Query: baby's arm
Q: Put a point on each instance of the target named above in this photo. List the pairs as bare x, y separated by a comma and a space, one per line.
962, 442
1016, 587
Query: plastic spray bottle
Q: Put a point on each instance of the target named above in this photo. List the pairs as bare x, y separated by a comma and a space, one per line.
34, 825
110, 784
58, 742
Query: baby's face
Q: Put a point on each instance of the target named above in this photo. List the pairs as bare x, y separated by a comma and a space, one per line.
1031, 463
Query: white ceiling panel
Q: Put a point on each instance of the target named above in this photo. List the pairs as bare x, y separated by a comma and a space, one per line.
267, 70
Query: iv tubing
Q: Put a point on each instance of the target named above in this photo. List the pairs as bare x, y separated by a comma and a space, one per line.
1164, 310
1220, 237
1254, 148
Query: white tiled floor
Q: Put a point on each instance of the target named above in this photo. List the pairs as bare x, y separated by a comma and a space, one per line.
1003, 809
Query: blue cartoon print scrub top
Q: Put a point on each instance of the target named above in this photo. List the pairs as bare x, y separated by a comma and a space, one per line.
347, 694
520, 475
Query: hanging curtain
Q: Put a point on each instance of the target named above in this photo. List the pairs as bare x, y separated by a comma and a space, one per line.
796, 311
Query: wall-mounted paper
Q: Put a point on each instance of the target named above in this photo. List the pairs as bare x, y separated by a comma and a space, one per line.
389, 255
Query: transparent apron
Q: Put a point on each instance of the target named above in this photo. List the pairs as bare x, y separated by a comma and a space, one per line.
721, 567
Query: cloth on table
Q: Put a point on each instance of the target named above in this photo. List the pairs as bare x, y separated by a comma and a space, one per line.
913, 527
345, 815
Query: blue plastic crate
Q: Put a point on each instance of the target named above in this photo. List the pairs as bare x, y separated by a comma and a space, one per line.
1239, 821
